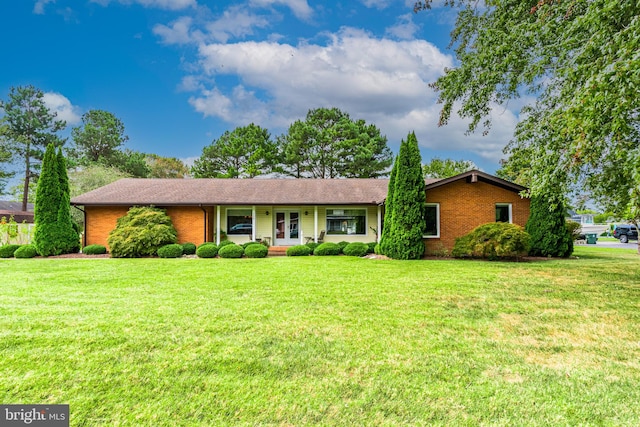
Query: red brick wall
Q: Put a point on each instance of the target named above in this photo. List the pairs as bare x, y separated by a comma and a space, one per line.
100, 220
464, 206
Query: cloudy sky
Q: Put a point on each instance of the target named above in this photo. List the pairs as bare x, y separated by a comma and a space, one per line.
179, 73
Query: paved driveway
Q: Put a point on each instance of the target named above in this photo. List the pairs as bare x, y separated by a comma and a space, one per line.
630, 245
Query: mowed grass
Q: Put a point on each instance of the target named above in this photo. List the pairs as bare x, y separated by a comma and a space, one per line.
325, 340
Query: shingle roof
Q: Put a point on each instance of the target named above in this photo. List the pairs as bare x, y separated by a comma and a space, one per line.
164, 192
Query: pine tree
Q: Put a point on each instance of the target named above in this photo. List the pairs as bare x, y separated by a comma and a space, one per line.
408, 204
548, 229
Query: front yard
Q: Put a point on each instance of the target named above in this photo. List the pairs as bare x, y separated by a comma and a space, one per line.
325, 340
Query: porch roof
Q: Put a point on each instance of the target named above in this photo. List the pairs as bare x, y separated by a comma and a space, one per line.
211, 192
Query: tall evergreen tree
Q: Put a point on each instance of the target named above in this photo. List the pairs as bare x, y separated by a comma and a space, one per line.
47, 204
547, 227
69, 238
408, 204
385, 237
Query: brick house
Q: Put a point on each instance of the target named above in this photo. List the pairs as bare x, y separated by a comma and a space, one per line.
293, 211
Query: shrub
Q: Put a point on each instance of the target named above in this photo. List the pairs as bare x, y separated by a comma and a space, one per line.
575, 228
230, 251
188, 248
26, 251
207, 250
225, 243
356, 249
141, 232
312, 246
547, 227
94, 250
493, 241
299, 250
7, 251
377, 249
372, 247
246, 244
327, 248
342, 245
173, 250
256, 250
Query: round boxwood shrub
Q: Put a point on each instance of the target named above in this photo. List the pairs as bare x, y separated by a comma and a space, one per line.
299, 250
94, 250
312, 246
356, 249
342, 245
371, 247
225, 243
7, 251
327, 248
173, 250
141, 232
207, 250
26, 251
188, 248
244, 245
493, 241
231, 251
256, 250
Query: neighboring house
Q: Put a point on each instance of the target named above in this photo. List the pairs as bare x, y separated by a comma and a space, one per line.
9, 209
291, 211
582, 219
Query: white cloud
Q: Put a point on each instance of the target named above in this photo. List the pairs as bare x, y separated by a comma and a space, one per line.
177, 33
405, 28
235, 22
61, 105
160, 4
300, 8
38, 8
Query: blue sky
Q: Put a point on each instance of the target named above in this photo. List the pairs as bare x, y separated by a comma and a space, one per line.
179, 73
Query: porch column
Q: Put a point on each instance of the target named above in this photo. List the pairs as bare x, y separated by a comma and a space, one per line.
315, 224
253, 223
379, 224
217, 225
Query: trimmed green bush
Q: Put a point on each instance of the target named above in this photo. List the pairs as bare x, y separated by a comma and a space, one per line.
377, 249
300, 250
372, 247
94, 250
225, 243
493, 241
7, 251
327, 248
26, 251
550, 236
188, 248
356, 249
141, 232
173, 250
207, 250
342, 245
244, 245
231, 251
256, 250
312, 246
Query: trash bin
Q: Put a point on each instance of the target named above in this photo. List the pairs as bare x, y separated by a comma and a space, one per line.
592, 238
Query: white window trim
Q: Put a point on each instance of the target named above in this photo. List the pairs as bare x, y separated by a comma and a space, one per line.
510, 206
366, 219
226, 219
437, 235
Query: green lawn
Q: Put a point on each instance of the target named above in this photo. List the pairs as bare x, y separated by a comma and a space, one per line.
325, 340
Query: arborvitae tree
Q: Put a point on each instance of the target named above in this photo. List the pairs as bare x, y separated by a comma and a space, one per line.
385, 237
69, 238
547, 227
47, 204
407, 217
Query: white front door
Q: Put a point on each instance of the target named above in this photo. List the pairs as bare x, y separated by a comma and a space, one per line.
287, 228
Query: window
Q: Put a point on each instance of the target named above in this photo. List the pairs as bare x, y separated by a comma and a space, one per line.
432, 220
503, 212
239, 221
346, 221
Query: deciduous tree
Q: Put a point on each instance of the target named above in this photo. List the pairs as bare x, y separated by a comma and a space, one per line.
579, 59
438, 168
165, 167
26, 129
